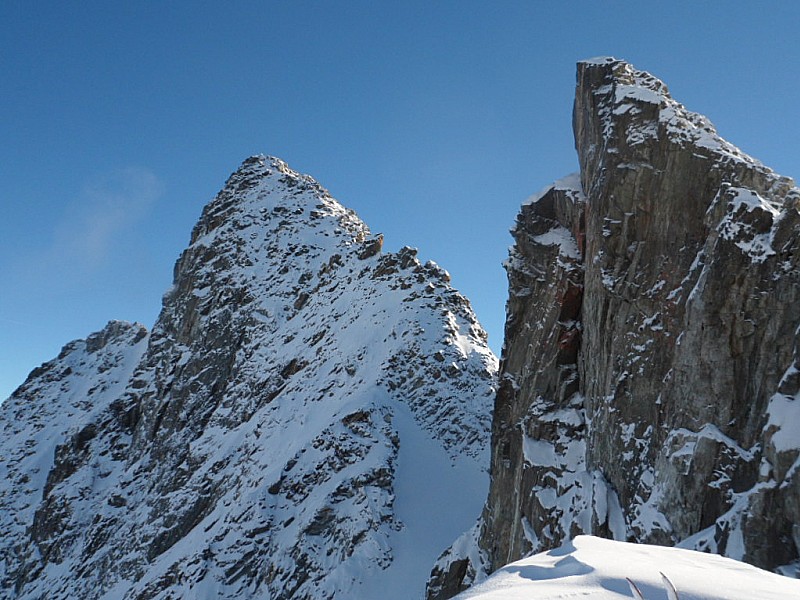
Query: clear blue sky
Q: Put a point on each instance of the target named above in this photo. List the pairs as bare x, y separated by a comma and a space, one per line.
433, 120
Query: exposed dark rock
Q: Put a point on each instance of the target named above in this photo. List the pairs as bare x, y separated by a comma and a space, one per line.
649, 380
371, 247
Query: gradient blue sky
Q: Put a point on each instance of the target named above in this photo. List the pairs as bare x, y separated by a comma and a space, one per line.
433, 120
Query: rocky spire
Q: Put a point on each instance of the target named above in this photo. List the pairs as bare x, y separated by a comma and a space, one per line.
650, 377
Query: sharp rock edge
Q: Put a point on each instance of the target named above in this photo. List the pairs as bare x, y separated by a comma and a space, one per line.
261, 440
650, 384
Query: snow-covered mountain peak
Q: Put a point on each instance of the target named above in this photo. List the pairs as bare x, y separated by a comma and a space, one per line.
309, 417
265, 183
274, 250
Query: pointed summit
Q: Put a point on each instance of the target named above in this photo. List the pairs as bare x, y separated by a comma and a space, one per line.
306, 407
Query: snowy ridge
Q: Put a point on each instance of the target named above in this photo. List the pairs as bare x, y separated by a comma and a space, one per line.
60, 405
598, 568
298, 391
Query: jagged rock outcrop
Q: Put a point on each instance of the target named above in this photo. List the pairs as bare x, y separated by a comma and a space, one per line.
49, 430
649, 385
302, 409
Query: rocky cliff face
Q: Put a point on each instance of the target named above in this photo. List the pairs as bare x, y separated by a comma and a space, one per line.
649, 383
299, 418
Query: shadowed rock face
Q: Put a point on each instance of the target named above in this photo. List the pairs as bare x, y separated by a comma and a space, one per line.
649, 383
249, 445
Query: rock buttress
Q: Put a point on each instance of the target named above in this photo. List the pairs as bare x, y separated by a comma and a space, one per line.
660, 408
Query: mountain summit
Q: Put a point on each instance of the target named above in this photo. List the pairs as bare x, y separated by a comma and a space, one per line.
308, 418
650, 383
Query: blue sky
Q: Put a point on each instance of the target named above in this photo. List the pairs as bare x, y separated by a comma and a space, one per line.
433, 120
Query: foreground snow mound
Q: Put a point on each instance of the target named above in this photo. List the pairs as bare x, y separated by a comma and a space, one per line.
309, 418
597, 568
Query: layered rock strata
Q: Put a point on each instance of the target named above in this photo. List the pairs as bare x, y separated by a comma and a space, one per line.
649, 388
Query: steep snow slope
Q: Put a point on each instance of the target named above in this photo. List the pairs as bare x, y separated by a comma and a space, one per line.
591, 567
301, 399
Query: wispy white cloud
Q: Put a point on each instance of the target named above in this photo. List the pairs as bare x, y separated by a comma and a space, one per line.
93, 227
49, 283
109, 206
